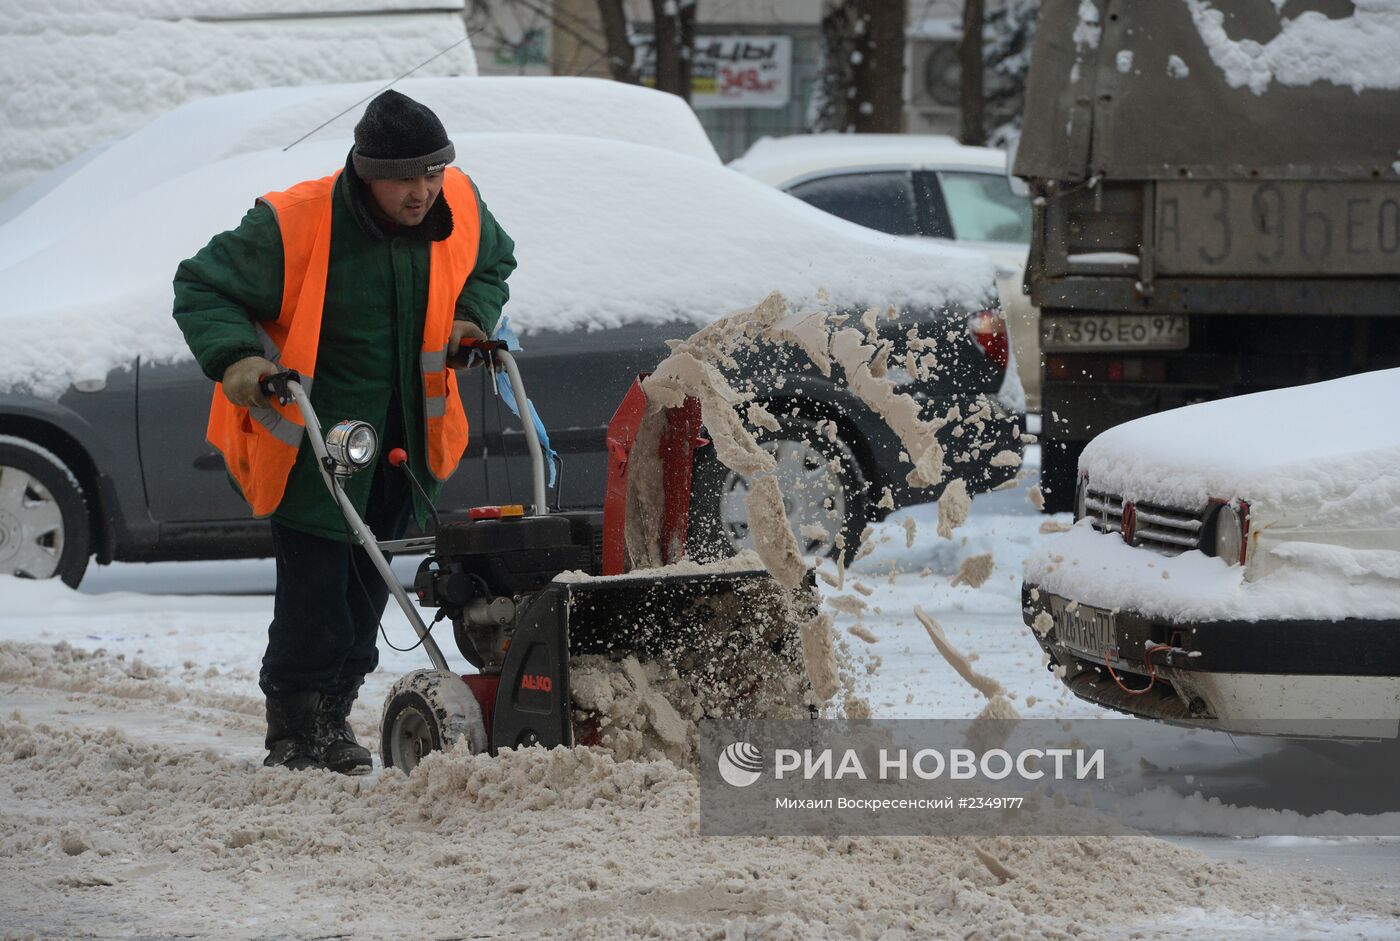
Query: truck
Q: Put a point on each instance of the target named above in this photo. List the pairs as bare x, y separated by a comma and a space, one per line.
1216, 205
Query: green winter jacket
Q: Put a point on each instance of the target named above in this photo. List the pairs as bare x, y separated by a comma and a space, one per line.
371, 328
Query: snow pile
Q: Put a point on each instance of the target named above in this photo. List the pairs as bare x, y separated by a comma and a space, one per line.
607, 233
1304, 580
96, 674
1356, 51
80, 73
125, 798
750, 665
103, 830
211, 129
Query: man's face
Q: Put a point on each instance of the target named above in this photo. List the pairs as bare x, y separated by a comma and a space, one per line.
407, 201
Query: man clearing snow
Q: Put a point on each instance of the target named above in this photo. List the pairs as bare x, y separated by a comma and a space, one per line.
366, 281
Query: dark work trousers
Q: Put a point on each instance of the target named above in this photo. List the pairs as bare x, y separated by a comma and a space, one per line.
324, 624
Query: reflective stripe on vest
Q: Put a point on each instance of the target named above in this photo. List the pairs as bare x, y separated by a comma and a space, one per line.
260, 445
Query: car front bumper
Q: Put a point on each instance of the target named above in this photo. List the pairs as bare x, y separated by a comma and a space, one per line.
1335, 679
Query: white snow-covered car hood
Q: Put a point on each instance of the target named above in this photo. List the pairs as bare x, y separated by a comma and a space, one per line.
1318, 466
1326, 454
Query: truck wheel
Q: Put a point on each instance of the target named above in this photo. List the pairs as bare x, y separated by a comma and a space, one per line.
1059, 474
43, 515
824, 494
428, 711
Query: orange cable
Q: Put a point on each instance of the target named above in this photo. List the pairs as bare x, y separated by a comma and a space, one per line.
1151, 673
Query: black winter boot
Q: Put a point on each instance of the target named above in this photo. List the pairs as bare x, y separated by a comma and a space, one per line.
342, 752
292, 740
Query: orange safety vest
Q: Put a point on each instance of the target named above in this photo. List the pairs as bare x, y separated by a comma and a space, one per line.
260, 445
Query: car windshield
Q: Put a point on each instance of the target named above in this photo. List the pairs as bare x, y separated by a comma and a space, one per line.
983, 208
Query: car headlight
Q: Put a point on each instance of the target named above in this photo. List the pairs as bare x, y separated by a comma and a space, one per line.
352, 444
1081, 498
1230, 523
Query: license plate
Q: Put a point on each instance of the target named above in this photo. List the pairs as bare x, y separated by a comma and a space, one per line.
1114, 332
1086, 629
1278, 227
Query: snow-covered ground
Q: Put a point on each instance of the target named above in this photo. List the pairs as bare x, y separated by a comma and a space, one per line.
134, 805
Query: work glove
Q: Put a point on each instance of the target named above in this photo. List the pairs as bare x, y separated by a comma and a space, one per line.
241, 381
461, 329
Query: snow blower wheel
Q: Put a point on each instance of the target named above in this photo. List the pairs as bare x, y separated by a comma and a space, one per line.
428, 711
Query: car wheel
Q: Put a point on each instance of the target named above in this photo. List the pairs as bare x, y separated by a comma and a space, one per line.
824, 494
43, 515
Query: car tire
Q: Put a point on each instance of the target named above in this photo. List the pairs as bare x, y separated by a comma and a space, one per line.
814, 466
44, 523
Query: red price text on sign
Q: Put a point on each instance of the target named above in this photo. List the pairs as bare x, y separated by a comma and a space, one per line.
744, 80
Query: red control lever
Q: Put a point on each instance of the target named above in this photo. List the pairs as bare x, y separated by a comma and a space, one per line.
397, 457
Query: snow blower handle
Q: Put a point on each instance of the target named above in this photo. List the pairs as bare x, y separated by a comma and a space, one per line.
472, 352
495, 352
275, 385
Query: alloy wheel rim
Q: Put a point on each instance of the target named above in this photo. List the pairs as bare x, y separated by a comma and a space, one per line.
31, 526
813, 498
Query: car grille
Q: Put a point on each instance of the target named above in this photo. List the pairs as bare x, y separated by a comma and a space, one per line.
1165, 529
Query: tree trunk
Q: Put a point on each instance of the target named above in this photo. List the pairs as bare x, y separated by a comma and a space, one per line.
878, 66
974, 124
621, 56
674, 22
863, 77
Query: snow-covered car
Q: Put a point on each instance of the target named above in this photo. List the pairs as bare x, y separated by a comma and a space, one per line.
922, 186
1235, 565
90, 77
621, 246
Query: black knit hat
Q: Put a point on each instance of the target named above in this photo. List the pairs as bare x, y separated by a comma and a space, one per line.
398, 138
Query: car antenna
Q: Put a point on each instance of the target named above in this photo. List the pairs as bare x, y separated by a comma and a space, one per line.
377, 91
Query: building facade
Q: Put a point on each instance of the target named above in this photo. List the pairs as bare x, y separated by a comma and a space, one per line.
758, 62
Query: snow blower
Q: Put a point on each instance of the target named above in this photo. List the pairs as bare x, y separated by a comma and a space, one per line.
526, 589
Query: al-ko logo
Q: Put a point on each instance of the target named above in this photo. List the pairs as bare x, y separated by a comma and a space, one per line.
740, 764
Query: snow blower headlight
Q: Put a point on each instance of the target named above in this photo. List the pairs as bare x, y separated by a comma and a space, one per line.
351, 445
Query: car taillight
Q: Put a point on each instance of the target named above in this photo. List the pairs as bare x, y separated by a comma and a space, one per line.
988, 329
